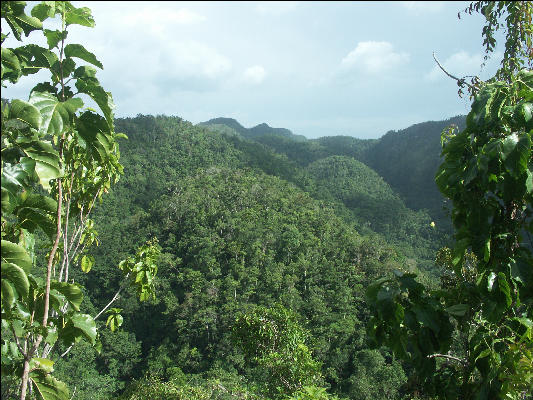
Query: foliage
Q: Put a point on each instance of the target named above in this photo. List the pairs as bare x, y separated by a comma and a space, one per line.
272, 338
58, 159
484, 318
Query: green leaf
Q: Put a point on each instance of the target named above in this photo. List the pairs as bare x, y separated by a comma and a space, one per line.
79, 16
8, 294
77, 50
43, 364
25, 112
490, 281
87, 263
11, 68
100, 96
13, 253
18, 176
20, 22
38, 211
44, 10
54, 37
504, 288
17, 277
77, 327
48, 387
57, 115
71, 291
458, 310
33, 58
93, 129
46, 161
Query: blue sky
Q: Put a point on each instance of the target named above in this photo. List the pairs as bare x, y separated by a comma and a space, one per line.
316, 68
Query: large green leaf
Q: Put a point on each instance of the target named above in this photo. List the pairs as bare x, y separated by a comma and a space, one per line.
25, 112
43, 364
15, 254
37, 211
47, 387
46, 161
77, 327
57, 115
93, 129
18, 176
54, 37
104, 99
71, 291
17, 277
44, 10
33, 58
77, 50
11, 68
17, 20
79, 16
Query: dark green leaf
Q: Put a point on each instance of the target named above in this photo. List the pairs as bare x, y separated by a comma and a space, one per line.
77, 50
17, 277
71, 291
13, 253
49, 388
25, 112
54, 37
57, 115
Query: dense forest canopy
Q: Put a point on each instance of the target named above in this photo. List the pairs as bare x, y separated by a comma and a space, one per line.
217, 261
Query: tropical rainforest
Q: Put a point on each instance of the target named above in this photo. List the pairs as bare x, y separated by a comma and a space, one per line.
252, 263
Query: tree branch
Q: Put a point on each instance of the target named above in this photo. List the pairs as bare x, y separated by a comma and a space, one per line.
461, 81
447, 356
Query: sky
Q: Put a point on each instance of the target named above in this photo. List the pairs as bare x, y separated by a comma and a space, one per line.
317, 68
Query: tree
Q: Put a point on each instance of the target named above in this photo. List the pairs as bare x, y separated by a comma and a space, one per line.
472, 338
58, 159
272, 338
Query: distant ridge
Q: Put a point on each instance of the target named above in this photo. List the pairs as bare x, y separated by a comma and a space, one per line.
232, 127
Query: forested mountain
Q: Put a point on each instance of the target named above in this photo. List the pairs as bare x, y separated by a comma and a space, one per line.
243, 223
222, 124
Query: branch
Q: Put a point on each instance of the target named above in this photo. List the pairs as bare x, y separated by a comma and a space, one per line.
115, 297
461, 81
464, 362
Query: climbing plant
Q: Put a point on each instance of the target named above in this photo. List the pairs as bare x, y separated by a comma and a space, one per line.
59, 158
472, 337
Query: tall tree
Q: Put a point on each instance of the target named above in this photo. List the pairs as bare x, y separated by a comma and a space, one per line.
472, 338
58, 159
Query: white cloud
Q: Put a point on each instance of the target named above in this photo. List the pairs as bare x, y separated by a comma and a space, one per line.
458, 64
162, 16
419, 7
191, 64
276, 7
373, 57
255, 74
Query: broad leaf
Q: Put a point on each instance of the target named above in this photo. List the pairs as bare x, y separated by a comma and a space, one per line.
54, 37
79, 16
71, 291
87, 263
46, 161
93, 129
77, 50
11, 68
44, 10
33, 58
99, 95
57, 115
48, 387
38, 211
17, 277
78, 327
15, 254
25, 112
